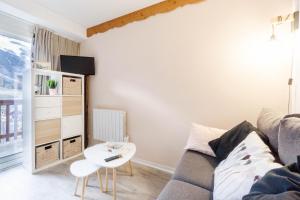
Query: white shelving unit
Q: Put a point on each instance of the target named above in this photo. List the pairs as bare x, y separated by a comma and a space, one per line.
53, 124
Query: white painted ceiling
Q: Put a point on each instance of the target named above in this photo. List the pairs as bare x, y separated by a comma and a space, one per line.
71, 18
88, 13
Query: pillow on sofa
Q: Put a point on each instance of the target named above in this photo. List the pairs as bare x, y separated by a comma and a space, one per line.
229, 140
200, 136
289, 140
247, 163
268, 122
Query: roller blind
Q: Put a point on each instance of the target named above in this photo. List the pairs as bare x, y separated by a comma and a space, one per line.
15, 27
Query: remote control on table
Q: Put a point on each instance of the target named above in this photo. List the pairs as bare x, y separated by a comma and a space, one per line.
113, 158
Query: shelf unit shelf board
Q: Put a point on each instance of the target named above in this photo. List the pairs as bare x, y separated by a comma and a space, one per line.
42, 144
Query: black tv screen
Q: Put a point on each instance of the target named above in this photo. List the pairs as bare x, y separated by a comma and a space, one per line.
78, 64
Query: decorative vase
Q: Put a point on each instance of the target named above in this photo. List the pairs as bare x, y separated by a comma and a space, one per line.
52, 91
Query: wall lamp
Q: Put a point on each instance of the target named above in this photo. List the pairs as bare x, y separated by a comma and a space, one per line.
292, 18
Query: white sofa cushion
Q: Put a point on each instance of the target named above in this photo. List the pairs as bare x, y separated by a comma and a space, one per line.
200, 136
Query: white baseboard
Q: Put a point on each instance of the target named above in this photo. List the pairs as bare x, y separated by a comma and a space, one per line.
154, 165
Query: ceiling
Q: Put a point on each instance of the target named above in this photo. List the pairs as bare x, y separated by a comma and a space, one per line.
88, 13
71, 18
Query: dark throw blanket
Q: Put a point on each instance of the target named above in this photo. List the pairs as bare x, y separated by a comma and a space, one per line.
277, 184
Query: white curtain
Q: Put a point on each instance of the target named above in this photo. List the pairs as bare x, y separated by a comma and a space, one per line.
47, 48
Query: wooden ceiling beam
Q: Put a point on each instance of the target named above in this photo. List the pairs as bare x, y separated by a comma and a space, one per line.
162, 7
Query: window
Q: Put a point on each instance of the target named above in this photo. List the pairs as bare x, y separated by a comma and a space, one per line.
14, 59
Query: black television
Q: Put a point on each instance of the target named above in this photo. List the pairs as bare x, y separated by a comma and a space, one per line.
78, 64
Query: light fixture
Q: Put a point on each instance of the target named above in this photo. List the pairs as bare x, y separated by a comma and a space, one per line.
293, 19
273, 36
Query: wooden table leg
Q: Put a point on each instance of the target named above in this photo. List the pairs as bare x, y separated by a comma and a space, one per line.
106, 179
114, 184
130, 167
87, 181
77, 182
100, 180
84, 183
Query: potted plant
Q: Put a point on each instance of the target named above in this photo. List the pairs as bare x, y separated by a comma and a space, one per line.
52, 84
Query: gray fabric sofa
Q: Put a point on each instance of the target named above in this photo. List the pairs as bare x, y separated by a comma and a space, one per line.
193, 178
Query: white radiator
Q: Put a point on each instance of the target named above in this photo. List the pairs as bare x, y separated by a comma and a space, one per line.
109, 125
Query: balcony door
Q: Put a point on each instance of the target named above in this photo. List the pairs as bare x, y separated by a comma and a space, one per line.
14, 59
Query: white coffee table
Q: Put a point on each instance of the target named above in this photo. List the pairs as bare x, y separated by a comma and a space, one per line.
96, 154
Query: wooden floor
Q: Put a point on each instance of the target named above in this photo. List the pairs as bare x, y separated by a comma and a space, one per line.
58, 184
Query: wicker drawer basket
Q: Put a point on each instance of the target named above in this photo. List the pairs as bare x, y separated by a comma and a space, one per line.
72, 147
46, 154
71, 86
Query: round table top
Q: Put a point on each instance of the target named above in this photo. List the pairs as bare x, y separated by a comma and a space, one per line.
83, 168
96, 154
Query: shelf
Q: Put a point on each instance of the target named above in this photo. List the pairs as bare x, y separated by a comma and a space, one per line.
58, 73
37, 145
46, 95
59, 95
72, 95
69, 137
37, 120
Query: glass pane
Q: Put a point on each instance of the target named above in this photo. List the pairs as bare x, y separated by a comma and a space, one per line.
14, 59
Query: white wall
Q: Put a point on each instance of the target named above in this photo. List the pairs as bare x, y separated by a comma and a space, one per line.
211, 63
